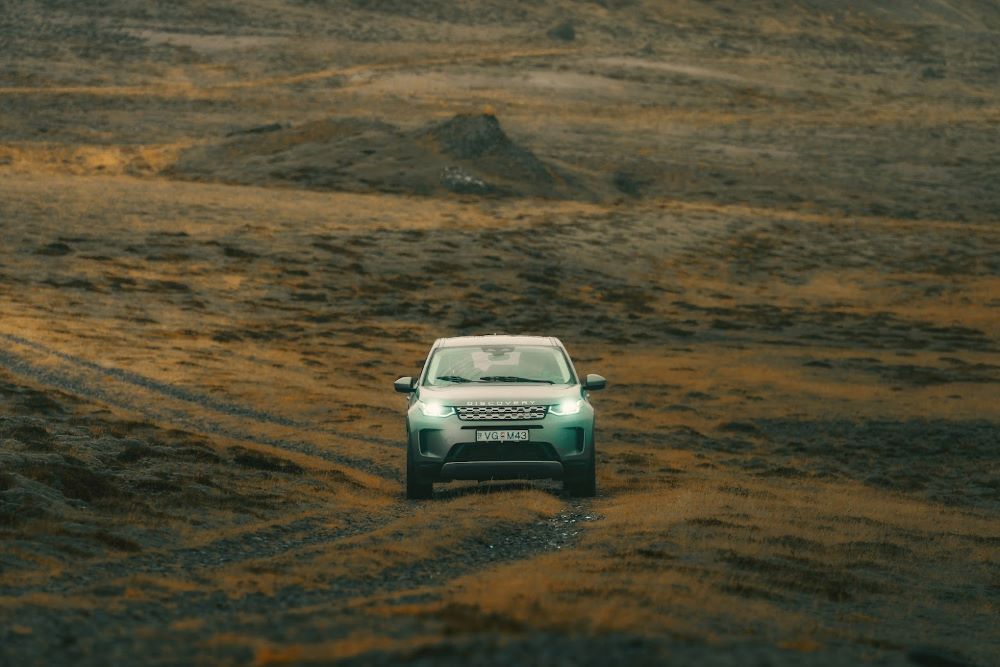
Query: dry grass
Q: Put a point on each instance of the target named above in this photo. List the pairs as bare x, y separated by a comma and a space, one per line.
786, 562
784, 262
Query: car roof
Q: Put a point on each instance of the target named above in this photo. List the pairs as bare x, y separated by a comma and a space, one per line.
497, 339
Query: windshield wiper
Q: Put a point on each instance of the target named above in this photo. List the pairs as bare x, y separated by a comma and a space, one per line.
453, 378
511, 378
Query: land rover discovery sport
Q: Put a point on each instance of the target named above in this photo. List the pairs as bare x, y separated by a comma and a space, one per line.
499, 407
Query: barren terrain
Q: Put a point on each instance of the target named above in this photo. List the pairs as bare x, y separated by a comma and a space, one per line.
227, 227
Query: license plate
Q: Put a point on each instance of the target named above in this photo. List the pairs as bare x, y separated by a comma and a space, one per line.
501, 436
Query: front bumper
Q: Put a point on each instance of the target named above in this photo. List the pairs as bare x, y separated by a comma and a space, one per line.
445, 448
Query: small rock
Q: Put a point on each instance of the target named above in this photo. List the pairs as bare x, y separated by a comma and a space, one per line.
461, 182
564, 31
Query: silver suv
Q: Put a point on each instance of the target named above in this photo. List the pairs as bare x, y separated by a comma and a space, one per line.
499, 407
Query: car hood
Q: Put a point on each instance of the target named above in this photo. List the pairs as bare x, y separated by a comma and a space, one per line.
500, 394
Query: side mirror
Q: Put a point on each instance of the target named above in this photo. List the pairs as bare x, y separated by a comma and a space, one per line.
403, 385
594, 382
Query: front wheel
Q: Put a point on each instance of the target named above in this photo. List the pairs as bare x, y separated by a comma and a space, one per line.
415, 488
584, 484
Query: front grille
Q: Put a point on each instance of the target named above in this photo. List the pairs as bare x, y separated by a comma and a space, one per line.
500, 413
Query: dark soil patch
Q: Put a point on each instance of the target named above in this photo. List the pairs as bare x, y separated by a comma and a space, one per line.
73, 481
56, 249
117, 542
138, 452
33, 435
261, 461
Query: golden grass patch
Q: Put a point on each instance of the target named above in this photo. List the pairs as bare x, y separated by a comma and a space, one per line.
720, 558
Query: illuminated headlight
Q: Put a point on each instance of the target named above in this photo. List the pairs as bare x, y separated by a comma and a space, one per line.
435, 409
567, 407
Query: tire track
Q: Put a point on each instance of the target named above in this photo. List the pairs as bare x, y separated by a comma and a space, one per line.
267, 541
74, 380
278, 616
192, 91
157, 386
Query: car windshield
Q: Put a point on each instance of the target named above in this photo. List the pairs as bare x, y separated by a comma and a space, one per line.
529, 364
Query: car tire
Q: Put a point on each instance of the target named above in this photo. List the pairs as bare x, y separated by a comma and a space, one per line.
415, 488
583, 485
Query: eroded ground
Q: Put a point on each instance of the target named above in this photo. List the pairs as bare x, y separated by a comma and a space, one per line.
226, 231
